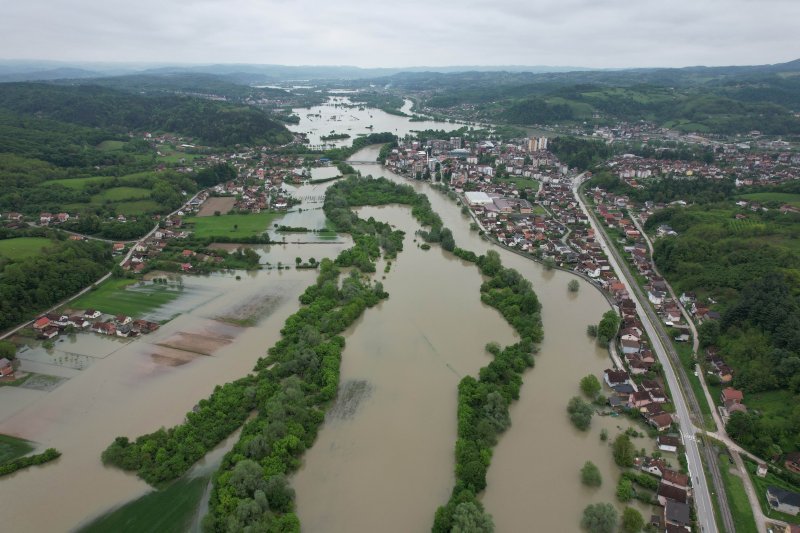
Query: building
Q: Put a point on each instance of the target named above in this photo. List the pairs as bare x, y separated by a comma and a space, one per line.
783, 500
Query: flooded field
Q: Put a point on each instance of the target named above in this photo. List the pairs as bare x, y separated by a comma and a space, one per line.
339, 115
133, 388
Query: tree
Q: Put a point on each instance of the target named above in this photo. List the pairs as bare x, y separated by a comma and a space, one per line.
573, 285
580, 413
632, 520
297, 261
590, 475
607, 329
591, 330
590, 386
599, 518
624, 451
469, 518
624, 490
7, 349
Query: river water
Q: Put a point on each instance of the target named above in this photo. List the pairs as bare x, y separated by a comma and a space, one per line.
384, 459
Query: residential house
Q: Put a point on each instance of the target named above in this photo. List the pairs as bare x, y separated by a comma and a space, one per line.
678, 515
652, 466
662, 422
792, 462
783, 500
669, 492
668, 443
676, 479
41, 323
616, 377
6, 368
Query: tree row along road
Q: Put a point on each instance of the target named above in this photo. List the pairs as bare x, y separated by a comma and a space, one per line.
682, 395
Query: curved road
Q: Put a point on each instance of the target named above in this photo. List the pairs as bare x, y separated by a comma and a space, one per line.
702, 497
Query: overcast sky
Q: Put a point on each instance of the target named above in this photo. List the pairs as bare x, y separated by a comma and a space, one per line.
587, 33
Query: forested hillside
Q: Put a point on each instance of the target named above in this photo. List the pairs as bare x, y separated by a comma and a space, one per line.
751, 268
211, 122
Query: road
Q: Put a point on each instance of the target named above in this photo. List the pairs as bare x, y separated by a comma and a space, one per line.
101, 280
721, 435
680, 391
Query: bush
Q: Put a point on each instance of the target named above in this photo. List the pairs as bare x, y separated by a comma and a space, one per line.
590, 475
580, 413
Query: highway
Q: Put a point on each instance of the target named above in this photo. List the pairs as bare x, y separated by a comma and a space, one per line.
702, 497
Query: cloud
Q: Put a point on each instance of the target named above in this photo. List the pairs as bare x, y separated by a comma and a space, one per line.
594, 33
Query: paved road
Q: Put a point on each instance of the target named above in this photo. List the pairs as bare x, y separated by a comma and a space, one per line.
721, 435
702, 497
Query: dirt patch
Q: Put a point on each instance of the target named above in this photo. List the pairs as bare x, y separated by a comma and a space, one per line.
196, 343
351, 394
252, 311
210, 206
227, 246
172, 357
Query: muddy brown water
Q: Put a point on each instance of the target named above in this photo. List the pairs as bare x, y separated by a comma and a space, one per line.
386, 463
384, 458
136, 389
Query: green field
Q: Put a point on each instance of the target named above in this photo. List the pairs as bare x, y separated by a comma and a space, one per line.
78, 183
117, 297
22, 247
165, 511
521, 183
776, 197
737, 499
13, 448
121, 194
110, 146
231, 225
139, 207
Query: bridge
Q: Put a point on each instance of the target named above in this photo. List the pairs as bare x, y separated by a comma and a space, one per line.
361, 162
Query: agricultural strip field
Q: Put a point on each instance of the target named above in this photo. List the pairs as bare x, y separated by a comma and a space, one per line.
212, 205
169, 510
121, 194
22, 247
13, 448
118, 297
231, 226
777, 197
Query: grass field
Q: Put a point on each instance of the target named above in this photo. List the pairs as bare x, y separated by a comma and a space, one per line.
777, 197
116, 296
737, 499
111, 146
78, 183
13, 448
165, 511
521, 183
231, 225
121, 194
138, 207
22, 247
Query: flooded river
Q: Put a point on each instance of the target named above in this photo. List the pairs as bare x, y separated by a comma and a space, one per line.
384, 462
340, 115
